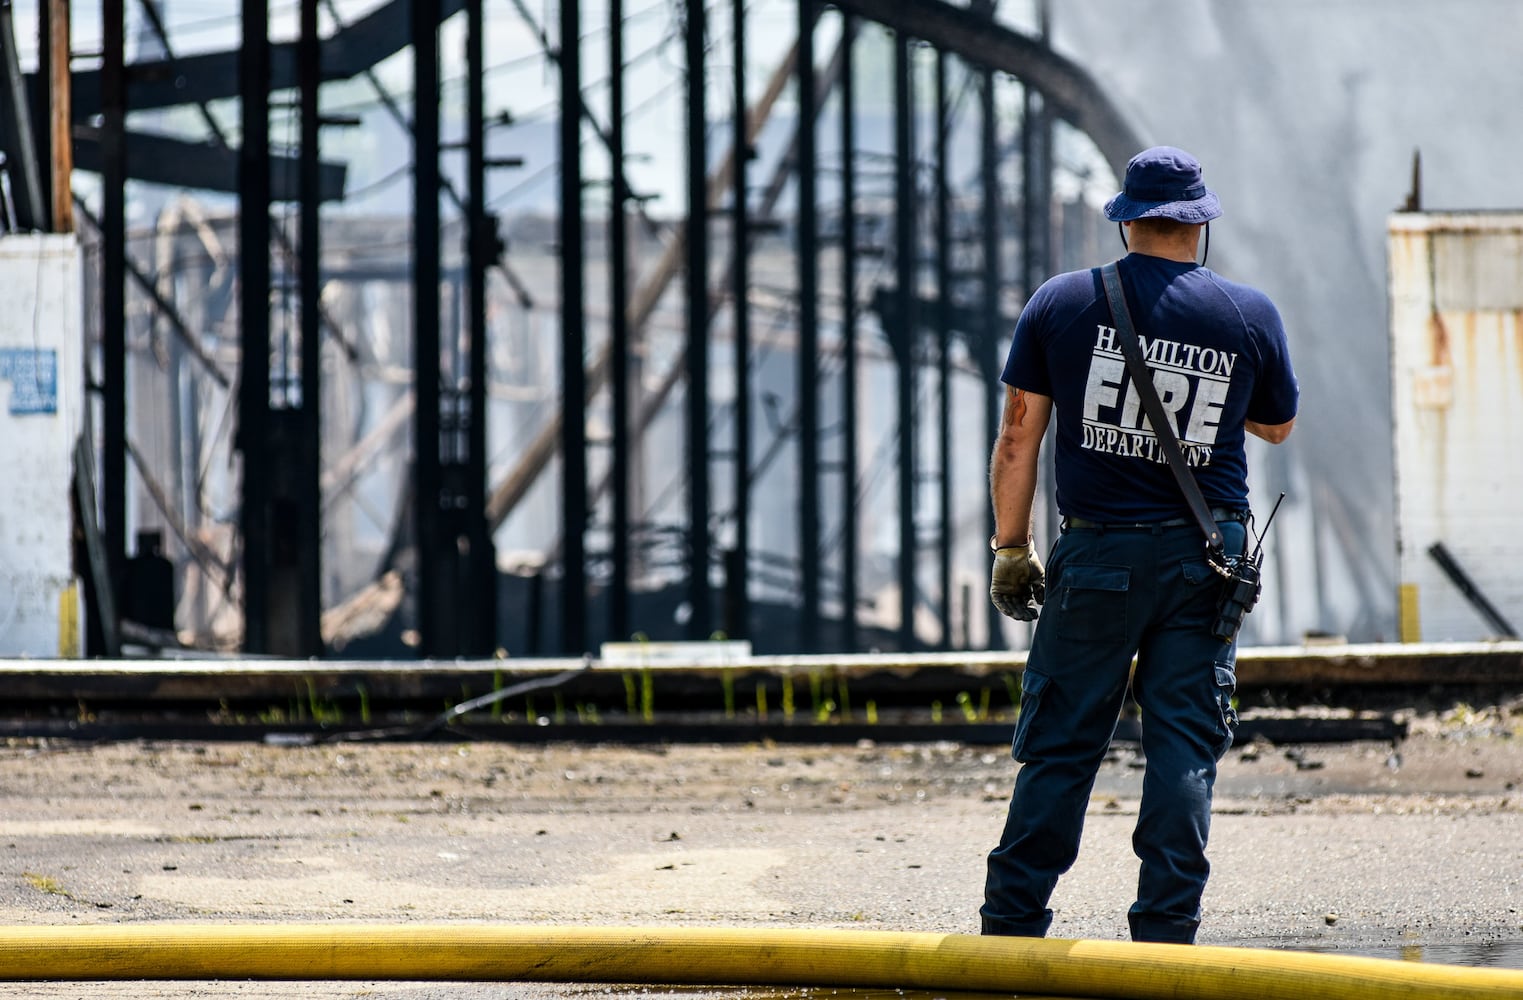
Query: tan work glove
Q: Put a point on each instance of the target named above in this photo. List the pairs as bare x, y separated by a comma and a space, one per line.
1016, 584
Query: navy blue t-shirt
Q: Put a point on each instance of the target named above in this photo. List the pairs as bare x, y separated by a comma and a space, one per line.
1218, 354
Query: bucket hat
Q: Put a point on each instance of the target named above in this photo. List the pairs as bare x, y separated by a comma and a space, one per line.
1163, 182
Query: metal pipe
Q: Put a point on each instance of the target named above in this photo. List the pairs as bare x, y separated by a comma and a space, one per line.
573, 342
808, 342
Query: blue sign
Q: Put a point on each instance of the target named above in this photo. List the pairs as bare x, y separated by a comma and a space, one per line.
33, 375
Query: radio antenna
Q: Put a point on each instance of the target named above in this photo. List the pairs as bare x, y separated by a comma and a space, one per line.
1267, 522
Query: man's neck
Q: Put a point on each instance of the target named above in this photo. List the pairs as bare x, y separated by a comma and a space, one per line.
1182, 247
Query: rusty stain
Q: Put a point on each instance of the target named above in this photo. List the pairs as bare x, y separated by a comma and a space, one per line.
1456, 314
1516, 332
1438, 339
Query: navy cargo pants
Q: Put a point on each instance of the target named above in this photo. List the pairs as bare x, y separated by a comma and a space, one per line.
1113, 592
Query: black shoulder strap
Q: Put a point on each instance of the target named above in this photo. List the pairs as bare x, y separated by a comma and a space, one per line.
1163, 425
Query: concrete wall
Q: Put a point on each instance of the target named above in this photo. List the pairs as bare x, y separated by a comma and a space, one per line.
1457, 394
41, 408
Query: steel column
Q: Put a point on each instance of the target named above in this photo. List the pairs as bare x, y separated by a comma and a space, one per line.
428, 484
1036, 192
479, 638
1036, 246
740, 218
808, 341
908, 325
849, 458
944, 349
699, 624
573, 341
991, 344
114, 289
309, 492
254, 423
618, 329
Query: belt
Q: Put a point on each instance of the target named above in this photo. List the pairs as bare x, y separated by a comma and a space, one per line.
1219, 513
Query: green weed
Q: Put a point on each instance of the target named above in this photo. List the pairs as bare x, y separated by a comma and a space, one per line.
45, 883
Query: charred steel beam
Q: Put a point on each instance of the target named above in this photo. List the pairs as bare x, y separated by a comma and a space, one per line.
738, 622
990, 322
254, 315
618, 318
212, 76
944, 350
574, 637
973, 36
808, 342
481, 640
1036, 193
307, 626
159, 159
114, 296
906, 328
697, 355
1038, 257
849, 459
435, 611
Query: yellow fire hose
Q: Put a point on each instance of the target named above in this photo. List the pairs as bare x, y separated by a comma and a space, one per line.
723, 957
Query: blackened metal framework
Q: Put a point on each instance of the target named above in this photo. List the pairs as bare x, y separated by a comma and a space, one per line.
455, 508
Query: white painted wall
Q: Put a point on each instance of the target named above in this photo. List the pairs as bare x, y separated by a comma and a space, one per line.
41, 410
1457, 393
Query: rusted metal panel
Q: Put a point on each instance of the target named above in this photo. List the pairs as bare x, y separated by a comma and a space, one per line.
1456, 324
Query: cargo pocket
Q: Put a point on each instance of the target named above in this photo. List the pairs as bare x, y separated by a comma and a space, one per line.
1092, 603
1226, 686
1032, 686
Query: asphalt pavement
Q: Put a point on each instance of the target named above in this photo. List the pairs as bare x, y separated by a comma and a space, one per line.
1406, 850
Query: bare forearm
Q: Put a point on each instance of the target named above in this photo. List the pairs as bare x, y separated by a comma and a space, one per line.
1013, 465
1012, 489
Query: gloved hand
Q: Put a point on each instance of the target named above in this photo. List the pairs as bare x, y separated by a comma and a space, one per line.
1016, 584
